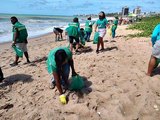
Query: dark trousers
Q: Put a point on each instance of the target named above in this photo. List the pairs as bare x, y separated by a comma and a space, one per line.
1, 75
87, 36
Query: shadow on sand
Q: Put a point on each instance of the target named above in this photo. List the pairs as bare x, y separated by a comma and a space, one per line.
16, 78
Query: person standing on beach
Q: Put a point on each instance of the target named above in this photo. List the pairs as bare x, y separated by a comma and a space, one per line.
155, 50
58, 33
88, 29
19, 39
120, 21
101, 23
59, 62
114, 27
73, 33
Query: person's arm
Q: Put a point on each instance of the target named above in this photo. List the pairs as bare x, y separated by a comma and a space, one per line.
155, 34
15, 37
58, 84
95, 27
71, 63
62, 97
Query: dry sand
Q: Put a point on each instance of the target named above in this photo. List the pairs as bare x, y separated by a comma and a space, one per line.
116, 85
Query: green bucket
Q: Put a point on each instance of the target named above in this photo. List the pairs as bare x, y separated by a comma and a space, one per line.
77, 83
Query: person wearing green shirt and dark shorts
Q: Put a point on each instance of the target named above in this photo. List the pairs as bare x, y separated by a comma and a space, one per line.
58, 63
88, 29
114, 27
73, 33
101, 23
19, 38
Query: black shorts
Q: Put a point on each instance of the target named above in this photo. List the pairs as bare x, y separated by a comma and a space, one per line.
71, 38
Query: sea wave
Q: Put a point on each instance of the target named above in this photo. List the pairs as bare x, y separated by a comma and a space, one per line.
36, 25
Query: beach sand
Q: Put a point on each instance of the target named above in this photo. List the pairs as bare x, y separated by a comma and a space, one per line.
116, 87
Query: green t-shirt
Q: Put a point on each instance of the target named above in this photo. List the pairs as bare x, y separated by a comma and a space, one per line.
115, 24
22, 32
101, 23
88, 26
51, 63
73, 29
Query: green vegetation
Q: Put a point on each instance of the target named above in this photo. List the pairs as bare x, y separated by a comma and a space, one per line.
146, 26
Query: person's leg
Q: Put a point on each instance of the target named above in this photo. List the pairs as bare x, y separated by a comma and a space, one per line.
1, 75
77, 44
71, 43
27, 56
98, 44
113, 33
24, 49
61, 36
65, 73
86, 36
101, 43
151, 65
89, 34
53, 83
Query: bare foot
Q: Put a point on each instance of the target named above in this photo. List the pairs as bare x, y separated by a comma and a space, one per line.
148, 74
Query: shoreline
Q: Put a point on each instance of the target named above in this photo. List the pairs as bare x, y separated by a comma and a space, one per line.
6, 45
37, 36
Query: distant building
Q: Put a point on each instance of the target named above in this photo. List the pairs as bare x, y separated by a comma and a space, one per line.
125, 11
137, 11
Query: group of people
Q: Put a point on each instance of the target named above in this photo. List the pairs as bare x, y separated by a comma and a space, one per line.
60, 59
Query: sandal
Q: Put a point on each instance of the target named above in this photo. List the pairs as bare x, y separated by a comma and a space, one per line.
13, 64
97, 51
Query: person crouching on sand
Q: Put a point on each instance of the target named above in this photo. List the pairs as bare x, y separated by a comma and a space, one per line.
155, 50
58, 64
101, 23
58, 33
19, 38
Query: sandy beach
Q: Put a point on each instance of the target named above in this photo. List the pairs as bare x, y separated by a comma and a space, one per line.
116, 87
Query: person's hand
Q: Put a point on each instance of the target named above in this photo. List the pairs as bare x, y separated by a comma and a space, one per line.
150, 43
62, 99
74, 73
13, 44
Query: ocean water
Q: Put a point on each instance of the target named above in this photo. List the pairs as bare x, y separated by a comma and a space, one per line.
36, 25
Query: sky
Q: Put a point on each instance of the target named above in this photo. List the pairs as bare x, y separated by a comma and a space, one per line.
74, 7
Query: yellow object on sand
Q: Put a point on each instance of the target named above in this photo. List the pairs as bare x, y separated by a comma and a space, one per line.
62, 99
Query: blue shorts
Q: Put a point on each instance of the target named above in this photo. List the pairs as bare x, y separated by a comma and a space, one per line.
65, 73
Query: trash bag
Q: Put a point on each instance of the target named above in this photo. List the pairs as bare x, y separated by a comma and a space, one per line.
83, 41
77, 83
109, 31
157, 62
18, 52
96, 38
